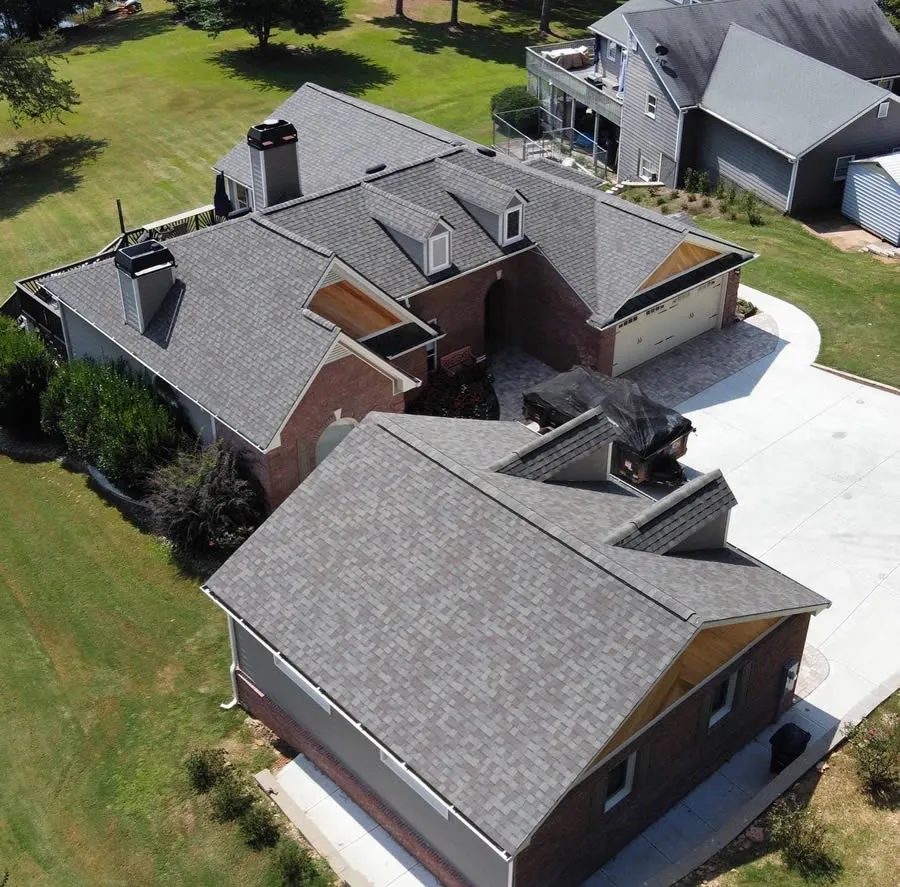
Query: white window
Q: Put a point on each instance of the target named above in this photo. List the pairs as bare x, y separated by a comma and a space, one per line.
611, 50
512, 225
883, 109
647, 170
398, 768
723, 700
439, 252
619, 782
241, 196
841, 165
431, 348
308, 688
651, 105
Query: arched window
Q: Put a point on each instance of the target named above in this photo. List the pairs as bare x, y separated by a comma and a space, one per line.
332, 436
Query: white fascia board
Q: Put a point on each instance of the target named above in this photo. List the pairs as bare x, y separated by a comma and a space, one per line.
407, 383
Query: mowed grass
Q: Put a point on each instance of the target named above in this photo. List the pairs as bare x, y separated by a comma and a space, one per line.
853, 297
113, 668
161, 102
865, 838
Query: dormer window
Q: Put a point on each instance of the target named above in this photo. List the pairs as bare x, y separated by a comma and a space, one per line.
438, 252
512, 225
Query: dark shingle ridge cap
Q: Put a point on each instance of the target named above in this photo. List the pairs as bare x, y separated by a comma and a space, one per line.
544, 440
469, 181
667, 505
481, 482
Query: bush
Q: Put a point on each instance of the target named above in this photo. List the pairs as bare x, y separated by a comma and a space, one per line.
295, 867
110, 418
690, 180
205, 498
800, 835
662, 199
25, 369
230, 799
676, 194
259, 827
467, 395
703, 182
723, 206
692, 197
707, 203
518, 107
731, 193
875, 744
665, 209
720, 188
205, 767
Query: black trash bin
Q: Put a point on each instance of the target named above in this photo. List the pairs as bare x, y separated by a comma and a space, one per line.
788, 743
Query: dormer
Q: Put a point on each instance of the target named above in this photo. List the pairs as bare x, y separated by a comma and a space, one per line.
498, 208
425, 236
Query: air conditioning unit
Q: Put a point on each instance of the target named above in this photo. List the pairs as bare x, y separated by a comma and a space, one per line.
24, 322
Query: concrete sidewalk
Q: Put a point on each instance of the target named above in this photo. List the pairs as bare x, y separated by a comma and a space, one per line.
814, 460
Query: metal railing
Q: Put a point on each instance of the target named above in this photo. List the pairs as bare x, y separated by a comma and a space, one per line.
604, 102
529, 133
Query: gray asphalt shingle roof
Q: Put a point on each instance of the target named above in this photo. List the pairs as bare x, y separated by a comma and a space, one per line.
796, 101
472, 621
340, 137
233, 336
402, 215
852, 35
475, 188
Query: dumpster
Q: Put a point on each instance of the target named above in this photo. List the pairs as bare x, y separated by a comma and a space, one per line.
652, 437
788, 743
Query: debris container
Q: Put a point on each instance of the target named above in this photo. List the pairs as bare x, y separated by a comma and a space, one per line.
788, 743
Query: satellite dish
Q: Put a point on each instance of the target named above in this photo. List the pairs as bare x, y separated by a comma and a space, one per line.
661, 50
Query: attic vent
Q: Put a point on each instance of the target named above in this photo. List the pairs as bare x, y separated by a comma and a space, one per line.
377, 167
146, 274
488, 152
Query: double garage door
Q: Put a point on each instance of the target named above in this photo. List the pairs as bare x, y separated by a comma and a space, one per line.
668, 324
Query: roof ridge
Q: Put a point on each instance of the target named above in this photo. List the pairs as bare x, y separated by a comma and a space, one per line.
481, 482
294, 238
323, 322
369, 188
441, 163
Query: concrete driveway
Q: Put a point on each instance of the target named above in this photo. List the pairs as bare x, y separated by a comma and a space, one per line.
814, 460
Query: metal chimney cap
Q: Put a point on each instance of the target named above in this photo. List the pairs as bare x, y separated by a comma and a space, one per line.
271, 133
150, 255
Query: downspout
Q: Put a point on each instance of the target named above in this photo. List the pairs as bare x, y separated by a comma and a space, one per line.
790, 195
678, 146
232, 670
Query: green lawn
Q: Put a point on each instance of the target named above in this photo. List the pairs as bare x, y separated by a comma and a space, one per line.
161, 102
113, 668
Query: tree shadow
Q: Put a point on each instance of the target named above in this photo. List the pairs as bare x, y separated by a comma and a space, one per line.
35, 168
288, 67
524, 15
108, 33
483, 42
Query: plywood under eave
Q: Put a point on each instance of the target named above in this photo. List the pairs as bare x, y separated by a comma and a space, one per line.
352, 310
707, 653
685, 257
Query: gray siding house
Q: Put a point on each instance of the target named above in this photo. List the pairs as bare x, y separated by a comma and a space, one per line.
872, 195
773, 95
517, 682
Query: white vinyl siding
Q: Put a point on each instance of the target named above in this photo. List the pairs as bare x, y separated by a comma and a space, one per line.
872, 200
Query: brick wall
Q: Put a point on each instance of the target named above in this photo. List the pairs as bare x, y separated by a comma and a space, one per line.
349, 385
262, 708
673, 756
732, 283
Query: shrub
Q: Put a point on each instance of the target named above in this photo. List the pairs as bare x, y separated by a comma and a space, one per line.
518, 107
707, 203
720, 188
875, 744
259, 827
723, 206
205, 767
731, 193
800, 835
690, 180
230, 799
703, 182
676, 194
295, 867
691, 197
733, 216
665, 209
205, 498
662, 199
467, 395
750, 204
636, 197
25, 369
110, 418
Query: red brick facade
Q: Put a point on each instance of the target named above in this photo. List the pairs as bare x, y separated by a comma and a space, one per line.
673, 756
263, 709
729, 312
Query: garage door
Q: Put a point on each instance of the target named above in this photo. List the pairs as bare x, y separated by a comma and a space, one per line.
668, 324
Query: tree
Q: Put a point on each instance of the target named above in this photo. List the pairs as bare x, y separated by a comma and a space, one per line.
260, 17
398, 8
25, 369
546, 12
32, 18
29, 84
454, 13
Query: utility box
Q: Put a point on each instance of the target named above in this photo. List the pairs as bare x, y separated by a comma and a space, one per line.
788, 743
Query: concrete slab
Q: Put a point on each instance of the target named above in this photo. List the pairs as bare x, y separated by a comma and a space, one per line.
637, 862
749, 768
715, 800
678, 832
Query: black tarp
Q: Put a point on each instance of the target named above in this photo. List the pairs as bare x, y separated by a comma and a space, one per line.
221, 200
645, 425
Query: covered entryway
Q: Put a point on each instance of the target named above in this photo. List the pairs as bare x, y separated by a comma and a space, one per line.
668, 324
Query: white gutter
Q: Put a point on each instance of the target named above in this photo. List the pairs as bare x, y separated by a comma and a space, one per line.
357, 725
790, 195
678, 146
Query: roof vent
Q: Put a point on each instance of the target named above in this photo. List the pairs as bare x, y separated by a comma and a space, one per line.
377, 167
274, 167
146, 274
488, 152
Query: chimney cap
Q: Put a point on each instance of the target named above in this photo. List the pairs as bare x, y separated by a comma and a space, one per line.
143, 257
271, 133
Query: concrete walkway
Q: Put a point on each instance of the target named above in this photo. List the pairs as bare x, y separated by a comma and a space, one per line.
814, 460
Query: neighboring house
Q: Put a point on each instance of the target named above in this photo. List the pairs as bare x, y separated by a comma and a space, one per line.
872, 195
512, 661
280, 329
773, 95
